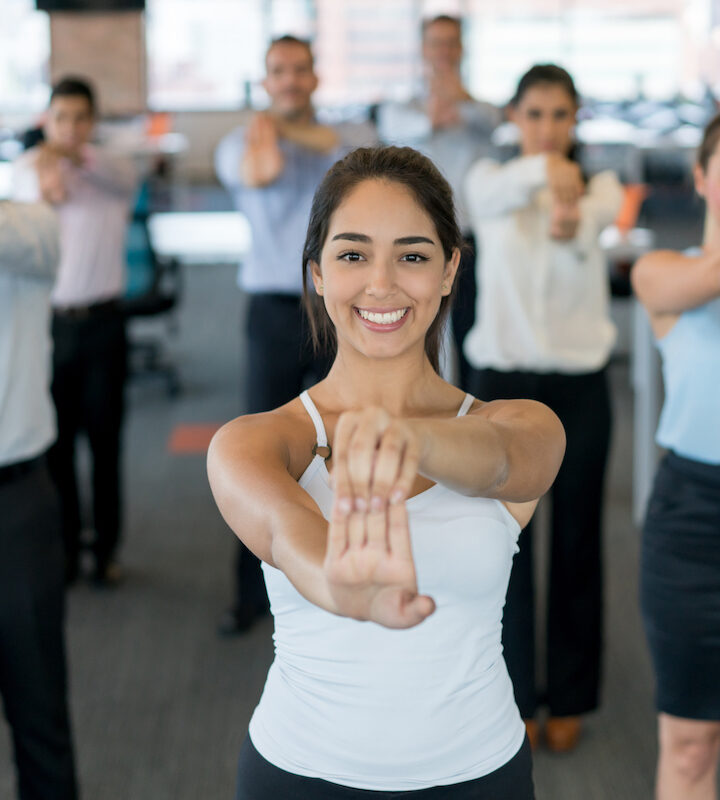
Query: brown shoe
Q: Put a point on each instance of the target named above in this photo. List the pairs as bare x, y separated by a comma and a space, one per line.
562, 733
533, 733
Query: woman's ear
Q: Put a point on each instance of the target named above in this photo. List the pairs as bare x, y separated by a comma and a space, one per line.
316, 276
451, 268
699, 178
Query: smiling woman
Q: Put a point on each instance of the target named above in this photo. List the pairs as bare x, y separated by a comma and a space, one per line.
414, 528
383, 283
386, 176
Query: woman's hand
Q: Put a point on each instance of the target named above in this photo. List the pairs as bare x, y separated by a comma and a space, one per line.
370, 570
564, 221
369, 565
564, 179
375, 460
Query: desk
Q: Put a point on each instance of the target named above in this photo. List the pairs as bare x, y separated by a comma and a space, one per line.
644, 369
200, 237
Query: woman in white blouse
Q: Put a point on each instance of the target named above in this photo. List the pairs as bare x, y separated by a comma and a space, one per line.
543, 331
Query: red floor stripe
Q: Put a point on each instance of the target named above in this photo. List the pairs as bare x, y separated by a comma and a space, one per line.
192, 438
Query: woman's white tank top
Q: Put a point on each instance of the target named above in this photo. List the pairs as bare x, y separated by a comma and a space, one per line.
373, 708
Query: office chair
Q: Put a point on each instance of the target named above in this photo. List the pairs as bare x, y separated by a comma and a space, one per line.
153, 290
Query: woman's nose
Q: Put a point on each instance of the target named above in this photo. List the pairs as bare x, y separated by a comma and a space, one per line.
381, 281
547, 127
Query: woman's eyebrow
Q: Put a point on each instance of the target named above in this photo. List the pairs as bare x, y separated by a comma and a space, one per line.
414, 240
353, 237
361, 237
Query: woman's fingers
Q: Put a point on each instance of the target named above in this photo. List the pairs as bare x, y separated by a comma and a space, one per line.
399, 532
401, 608
418, 609
361, 457
337, 542
370, 560
375, 461
357, 437
564, 179
407, 472
344, 493
389, 459
377, 530
356, 524
568, 193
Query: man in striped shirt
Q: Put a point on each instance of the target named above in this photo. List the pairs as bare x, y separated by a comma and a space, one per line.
91, 191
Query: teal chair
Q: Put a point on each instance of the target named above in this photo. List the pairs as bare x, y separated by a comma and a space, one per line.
153, 289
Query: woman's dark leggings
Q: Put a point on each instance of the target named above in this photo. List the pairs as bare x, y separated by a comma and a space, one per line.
258, 779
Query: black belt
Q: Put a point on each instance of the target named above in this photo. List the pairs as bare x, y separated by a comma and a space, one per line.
85, 312
11, 472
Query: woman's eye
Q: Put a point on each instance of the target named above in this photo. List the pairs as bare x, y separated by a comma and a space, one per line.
351, 255
414, 258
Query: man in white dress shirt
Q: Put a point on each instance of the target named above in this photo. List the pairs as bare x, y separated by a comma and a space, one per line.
92, 192
453, 129
32, 647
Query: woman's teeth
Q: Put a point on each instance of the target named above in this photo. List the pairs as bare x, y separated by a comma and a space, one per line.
382, 319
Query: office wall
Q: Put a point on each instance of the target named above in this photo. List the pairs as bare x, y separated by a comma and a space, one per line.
107, 47
203, 130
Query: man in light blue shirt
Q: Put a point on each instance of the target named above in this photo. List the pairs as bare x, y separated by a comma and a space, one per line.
271, 167
453, 129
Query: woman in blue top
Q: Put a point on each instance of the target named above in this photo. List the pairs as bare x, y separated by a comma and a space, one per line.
680, 569
387, 581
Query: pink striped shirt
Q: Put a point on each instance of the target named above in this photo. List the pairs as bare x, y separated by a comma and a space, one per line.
93, 223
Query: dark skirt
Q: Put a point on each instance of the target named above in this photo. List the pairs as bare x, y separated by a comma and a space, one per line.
258, 779
680, 587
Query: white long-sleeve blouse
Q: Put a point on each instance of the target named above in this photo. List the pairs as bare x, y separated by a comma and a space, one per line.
543, 305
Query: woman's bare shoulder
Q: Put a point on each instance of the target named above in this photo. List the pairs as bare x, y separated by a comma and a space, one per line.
278, 436
505, 410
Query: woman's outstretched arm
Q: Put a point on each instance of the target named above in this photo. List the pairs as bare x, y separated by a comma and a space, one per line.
508, 449
263, 504
668, 283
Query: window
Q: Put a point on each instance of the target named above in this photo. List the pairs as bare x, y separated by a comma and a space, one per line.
210, 54
24, 54
612, 54
366, 50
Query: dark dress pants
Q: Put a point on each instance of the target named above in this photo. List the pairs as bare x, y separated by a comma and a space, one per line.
574, 613
89, 370
32, 648
280, 364
463, 310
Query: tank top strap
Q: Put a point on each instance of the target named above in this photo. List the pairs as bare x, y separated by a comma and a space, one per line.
316, 418
466, 403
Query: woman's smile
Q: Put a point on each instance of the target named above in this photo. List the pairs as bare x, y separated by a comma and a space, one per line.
381, 319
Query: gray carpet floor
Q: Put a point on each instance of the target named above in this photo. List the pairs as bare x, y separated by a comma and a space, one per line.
160, 705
